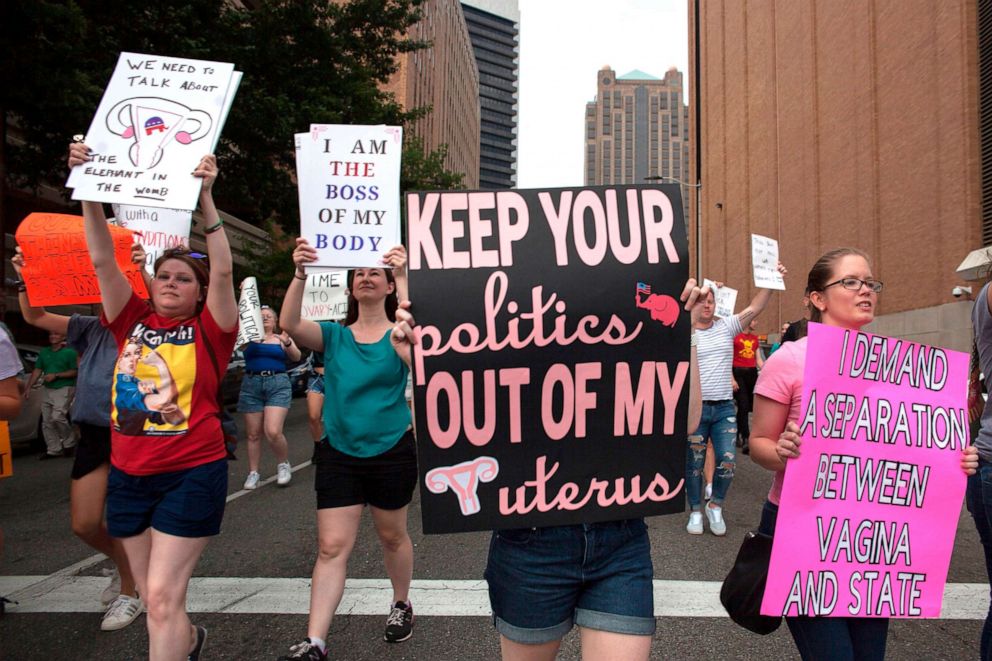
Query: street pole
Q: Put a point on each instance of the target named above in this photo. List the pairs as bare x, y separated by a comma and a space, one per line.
699, 234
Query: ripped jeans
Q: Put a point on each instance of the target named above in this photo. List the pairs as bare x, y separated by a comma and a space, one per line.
719, 424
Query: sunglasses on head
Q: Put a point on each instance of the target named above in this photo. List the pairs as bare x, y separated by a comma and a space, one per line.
183, 252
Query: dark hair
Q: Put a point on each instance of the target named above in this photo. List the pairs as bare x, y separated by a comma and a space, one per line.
796, 331
391, 303
822, 274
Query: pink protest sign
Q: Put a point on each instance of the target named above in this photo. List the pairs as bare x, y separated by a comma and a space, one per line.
869, 510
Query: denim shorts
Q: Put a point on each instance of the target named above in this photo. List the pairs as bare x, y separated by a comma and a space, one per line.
316, 384
259, 391
186, 503
542, 581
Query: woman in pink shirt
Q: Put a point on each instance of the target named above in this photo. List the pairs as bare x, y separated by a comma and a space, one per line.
842, 293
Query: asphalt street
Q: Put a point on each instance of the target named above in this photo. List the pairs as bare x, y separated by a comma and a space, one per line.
250, 588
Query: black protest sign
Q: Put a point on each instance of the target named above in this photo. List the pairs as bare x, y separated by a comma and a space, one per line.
551, 380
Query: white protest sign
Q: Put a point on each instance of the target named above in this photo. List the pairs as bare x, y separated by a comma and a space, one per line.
158, 117
764, 260
249, 313
325, 297
157, 230
349, 192
724, 299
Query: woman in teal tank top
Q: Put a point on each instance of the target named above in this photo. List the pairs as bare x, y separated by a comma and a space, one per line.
367, 455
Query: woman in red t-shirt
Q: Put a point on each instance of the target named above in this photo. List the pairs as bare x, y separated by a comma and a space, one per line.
167, 454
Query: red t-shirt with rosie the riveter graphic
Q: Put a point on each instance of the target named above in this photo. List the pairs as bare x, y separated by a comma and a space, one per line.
746, 350
164, 413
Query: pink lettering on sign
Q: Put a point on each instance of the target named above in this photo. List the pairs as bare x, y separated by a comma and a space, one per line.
463, 480
869, 509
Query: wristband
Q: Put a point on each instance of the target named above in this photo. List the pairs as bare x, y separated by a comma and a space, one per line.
21, 286
694, 339
287, 343
214, 228
299, 277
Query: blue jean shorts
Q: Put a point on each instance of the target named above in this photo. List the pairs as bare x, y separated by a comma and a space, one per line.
258, 391
542, 581
186, 503
316, 384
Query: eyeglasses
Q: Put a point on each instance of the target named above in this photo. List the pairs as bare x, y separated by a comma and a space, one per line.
854, 284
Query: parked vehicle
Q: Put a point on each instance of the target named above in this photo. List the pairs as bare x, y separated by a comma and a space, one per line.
25, 429
230, 386
299, 374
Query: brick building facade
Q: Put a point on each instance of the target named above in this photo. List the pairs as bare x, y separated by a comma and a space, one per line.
848, 122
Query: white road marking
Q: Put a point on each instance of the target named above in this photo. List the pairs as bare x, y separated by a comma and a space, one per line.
45, 584
458, 598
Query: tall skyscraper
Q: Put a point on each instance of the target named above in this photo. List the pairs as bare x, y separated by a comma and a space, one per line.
637, 127
493, 27
443, 77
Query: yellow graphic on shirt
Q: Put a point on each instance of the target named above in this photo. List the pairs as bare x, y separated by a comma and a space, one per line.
747, 349
153, 382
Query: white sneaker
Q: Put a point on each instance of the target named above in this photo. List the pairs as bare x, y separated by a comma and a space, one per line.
121, 612
709, 491
252, 481
284, 475
695, 525
715, 516
113, 590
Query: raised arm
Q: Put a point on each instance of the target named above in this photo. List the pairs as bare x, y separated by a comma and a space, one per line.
220, 294
692, 295
396, 258
115, 290
758, 303
306, 332
40, 317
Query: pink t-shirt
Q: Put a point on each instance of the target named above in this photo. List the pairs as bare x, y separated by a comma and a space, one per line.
781, 380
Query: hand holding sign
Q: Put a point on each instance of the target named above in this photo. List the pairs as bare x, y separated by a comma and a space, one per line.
56, 264
724, 298
768, 270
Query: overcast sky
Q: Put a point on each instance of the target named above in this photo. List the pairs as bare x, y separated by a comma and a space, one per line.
563, 44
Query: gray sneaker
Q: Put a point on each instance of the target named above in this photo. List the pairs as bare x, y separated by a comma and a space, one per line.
695, 525
122, 611
715, 517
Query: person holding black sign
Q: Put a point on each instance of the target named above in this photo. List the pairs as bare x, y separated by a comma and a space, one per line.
842, 293
542, 581
168, 479
367, 455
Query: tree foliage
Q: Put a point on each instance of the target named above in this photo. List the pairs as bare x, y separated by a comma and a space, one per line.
304, 61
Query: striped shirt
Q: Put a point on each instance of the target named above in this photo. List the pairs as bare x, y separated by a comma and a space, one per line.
715, 350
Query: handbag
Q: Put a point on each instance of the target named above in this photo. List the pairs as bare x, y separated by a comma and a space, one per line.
744, 586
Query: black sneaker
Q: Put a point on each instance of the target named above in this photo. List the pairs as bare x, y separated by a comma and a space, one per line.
399, 624
305, 651
201, 637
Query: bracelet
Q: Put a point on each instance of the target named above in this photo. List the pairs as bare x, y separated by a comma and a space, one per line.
214, 228
297, 276
21, 286
286, 344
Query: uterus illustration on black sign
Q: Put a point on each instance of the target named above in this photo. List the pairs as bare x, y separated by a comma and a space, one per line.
552, 371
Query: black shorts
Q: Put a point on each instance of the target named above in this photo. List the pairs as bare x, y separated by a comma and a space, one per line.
385, 481
92, 451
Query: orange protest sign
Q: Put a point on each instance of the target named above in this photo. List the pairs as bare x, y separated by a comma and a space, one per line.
57, 267
6, 461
